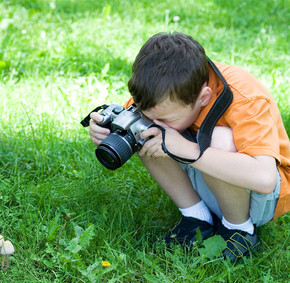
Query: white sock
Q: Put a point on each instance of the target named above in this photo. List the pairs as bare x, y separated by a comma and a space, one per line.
247, 226
199, 211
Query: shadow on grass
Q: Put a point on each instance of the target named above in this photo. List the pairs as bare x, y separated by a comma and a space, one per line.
47, 177
44, 178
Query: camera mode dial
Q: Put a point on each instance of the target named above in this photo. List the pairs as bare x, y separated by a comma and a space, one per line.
118, 109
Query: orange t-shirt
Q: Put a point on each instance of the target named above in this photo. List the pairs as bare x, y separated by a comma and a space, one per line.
255, 120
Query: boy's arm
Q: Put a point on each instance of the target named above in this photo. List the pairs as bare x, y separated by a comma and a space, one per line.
256, 173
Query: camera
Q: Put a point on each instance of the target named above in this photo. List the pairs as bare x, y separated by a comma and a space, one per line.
125, 125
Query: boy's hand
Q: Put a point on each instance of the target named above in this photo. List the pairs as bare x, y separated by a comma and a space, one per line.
97, 133
174, 142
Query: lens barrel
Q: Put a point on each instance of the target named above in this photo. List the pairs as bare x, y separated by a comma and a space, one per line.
116, 149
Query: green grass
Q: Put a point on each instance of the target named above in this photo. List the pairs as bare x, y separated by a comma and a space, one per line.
60, 59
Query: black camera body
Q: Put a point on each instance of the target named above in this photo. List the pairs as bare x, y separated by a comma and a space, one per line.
125, 125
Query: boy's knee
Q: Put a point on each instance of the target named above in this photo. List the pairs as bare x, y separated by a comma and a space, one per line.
222, 138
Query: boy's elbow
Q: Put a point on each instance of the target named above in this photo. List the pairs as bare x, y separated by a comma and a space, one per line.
266, 174
268, 183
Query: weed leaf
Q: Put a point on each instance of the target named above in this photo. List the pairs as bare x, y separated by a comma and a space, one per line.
87, 235
213, 247
74, 246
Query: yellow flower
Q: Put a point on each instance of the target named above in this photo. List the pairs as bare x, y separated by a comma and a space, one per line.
105, 263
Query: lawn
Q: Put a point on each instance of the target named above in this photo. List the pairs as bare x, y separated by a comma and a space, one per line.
69, 218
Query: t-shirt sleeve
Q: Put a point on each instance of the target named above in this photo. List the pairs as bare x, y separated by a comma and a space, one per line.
254, 129
128, 103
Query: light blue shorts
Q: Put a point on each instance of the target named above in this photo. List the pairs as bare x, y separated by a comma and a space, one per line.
262, 207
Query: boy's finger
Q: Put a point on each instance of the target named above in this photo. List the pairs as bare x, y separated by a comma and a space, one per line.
97, 117
94, 128
150, 132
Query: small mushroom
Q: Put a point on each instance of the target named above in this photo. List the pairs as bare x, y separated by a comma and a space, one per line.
7, 249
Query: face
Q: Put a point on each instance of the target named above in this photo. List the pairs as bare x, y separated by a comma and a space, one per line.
174, 114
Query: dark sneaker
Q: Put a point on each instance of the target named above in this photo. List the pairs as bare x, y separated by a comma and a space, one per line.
185, 231
239, 243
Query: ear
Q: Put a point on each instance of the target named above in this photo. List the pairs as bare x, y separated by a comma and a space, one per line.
205, 95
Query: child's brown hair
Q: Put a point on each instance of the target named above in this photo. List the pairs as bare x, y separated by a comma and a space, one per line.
168, 65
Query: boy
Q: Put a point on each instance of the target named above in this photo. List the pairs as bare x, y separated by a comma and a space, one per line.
241, 176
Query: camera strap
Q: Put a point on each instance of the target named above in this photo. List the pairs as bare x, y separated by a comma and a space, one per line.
204, 133
86, 121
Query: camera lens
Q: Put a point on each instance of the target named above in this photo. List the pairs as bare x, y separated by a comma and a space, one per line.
108, 157
116, 149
